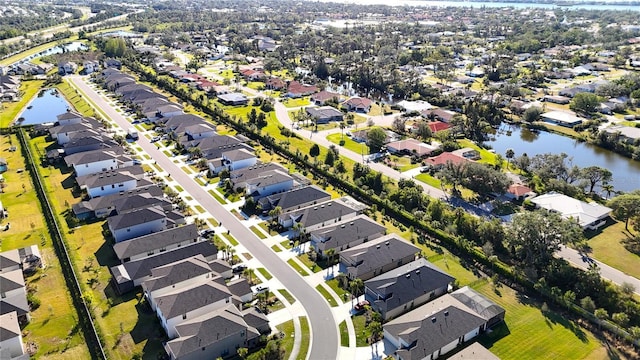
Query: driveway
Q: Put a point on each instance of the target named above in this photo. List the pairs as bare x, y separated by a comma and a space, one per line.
324, 330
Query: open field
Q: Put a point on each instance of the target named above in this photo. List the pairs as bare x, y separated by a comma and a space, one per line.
54, 326
528, 333
608, 247
349, 144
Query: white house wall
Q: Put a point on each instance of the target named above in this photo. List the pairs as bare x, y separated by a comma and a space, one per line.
112, 189
139, 230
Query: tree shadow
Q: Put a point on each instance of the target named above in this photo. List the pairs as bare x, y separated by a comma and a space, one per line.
553, 317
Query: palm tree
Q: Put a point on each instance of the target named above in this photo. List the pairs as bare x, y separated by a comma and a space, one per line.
248, 273
342, 126
509, 154
274, 213
608, 188
356, 287
330, 253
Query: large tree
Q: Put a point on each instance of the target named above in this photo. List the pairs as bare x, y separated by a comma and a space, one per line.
626, 207
586, 103
375, 139
595, 175
535, 236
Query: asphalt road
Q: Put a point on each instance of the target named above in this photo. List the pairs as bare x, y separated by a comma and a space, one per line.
324, 331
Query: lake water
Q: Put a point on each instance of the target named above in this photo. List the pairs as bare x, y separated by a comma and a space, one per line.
44, 108
478, 4
72, 46
626, 172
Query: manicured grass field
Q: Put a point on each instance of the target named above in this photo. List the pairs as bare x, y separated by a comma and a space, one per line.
217, 197
356, 147
429, 180
608, 247
287, 340
333, 284
285, 244
10, 110
179, 188
230, 239
258, 233
265, 226
306, 335
287, 295
530, 334
344, 334
451, 265
200, 209
327, 296
276, 248
362, 334
290, 103
53, 326
264, 273
297, 267
304, 258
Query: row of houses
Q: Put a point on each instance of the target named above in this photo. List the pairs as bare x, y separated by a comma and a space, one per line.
14, 307
9, 88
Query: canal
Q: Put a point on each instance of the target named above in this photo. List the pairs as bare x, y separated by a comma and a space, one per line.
626, 172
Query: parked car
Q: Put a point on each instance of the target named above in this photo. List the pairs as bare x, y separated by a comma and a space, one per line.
360, 306
155, 138
207, 232
238, 269
260, 289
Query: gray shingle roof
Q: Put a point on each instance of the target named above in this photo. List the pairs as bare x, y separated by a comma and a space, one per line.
104, 202
294, 198
136, 217
110, 177
408, 282
140, 268
158, 240
326, 211
9, 327
87, 157
185, 300
138, 201
377, 253
206, 330
355, 229
176, 272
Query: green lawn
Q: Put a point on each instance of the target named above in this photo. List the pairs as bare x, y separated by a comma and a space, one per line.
179, 188
230, 239
344, 334
285, 244
297, 267
10, 110
451, 265
265, 226
276, 248
186, 169
333, 284
362, 334
530, 334
53, 327
287, 295
608, 247
290, 103
264, 273
304, 258
306, 335
258, 233
429, 180
486, 156
349, 144
327, 296
213, 222
288, 331
200, 209
217, 197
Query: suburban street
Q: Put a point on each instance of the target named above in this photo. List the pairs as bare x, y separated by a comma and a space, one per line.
324, 331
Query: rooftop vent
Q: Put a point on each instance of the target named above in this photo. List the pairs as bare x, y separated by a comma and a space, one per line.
386, 243
446, 313
408, 276
377, 246
418, 272
433, 319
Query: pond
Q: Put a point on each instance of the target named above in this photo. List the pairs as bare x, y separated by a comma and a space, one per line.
69, 47
44, 108
626, 172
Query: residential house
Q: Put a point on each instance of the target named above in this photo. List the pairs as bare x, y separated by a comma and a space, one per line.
440, 326
190, 302
88, 143
253, 75
95, 161
219, 333
14, 294
238, 159
90, 66
67, 130
296, 89
9, 88
11, 347
268, 183
103, 206
240, 289
589, 215
377, 256
322, 214
358, 104
412, 147
439, 161
133, 202
323, 97
345, 234
67, 137
177, 125
112, 63
474, 351
439, 114
294, 199
233, 99
563, 118
275, 83
518, 192
130, 274
28, 259
406, 287
67, 67
111, 181
325, 114
141, 222
562, 100
155, 243
627, 134
69, 117
199, 131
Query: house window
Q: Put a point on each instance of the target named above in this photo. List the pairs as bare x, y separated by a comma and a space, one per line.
227, 300
127, 259
101, 187
120, 185
163, 249
113, 186
86, 165
150, 253
184, 316
128, 230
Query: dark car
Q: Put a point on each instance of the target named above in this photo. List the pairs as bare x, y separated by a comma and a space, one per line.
207, 232
238, 269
